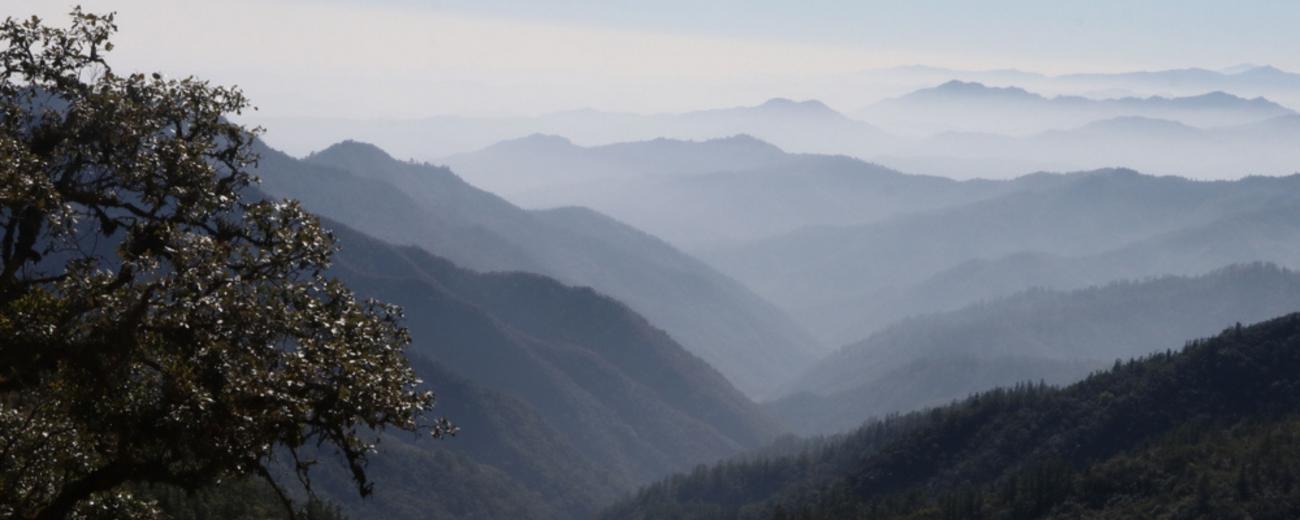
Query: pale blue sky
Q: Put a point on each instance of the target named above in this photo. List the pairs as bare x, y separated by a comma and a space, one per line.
420, 57
1104, 33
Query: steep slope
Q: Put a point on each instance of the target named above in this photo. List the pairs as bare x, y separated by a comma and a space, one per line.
565, 398
1045, 335
245, 499
845, 282
749, 340
721, 190
506, 462
540, 340
1105, 446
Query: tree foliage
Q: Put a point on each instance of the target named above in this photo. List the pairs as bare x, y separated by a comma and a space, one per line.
1212, 431
156, 325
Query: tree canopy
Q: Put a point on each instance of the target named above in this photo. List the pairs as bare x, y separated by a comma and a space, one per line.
157, 323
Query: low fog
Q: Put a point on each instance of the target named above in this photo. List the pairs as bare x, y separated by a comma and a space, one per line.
1185, 124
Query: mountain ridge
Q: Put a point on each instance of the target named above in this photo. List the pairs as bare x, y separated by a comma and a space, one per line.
1040, 334
414, 203
1039, 452
568, 398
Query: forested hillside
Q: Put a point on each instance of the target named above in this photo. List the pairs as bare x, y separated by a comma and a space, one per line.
1210, 431
564, 397
1039, 335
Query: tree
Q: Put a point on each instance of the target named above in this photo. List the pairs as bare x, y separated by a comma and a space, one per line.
157, 324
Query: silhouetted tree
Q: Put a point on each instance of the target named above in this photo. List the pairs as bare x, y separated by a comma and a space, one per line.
155, 326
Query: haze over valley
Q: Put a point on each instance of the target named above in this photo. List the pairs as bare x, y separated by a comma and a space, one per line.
570, 260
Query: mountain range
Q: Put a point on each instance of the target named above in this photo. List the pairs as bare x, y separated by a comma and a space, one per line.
957, 106
1158, 146
1246, 80
722, 190
565, 398
585, 356
1040, 335
808, 125
958, 129
749, 340
1206, 432
1052, 230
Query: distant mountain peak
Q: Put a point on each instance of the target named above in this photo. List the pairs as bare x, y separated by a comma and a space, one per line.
809, 106
973, 88
956, 84
534, 142
742, 140
1262, 70
351, 148
1111, 173
1219, 96
541, 138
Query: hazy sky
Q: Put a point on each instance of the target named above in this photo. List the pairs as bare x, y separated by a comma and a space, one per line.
385, 58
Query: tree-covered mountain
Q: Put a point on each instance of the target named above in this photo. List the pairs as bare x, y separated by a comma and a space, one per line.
730, 189
1208, 432
565, 398
246, 499
1039, 335
749, 340
1082, 229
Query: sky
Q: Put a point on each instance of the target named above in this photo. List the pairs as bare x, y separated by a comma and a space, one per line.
411, 58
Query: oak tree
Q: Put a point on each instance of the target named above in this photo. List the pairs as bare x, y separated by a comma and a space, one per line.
158, 322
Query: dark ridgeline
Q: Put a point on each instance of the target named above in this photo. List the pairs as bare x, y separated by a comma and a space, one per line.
747, 339
1039, 335
565, 398
1212, 431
